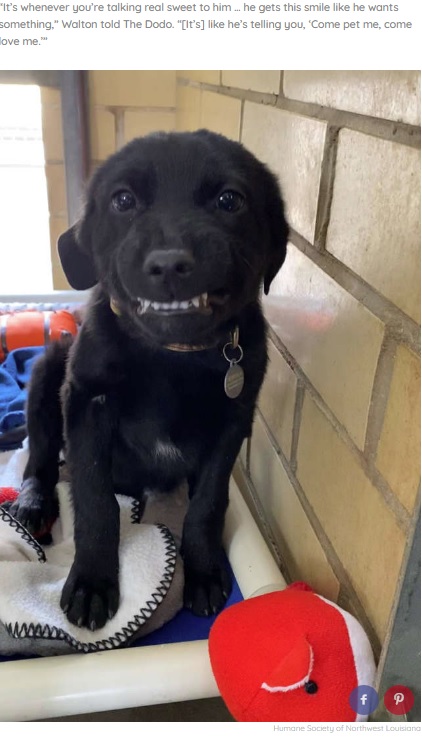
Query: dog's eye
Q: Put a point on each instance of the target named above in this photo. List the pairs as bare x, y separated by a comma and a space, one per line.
123, 201
230, 201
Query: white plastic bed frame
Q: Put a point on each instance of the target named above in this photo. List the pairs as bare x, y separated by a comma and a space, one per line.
50, 687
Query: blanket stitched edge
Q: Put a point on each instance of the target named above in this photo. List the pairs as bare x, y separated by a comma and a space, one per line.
120, 638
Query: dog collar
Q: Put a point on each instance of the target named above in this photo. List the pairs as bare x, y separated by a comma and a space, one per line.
234, 343
234, 378
187, 347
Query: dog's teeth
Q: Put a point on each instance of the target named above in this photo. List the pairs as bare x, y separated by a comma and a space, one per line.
143, 306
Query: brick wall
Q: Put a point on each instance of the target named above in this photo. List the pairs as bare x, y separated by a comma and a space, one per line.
332, 468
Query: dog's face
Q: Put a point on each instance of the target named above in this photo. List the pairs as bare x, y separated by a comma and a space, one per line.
180, 229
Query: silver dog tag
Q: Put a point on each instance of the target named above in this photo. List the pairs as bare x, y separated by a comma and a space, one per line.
234, 381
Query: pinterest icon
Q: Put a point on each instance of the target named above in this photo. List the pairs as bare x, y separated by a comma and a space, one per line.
399, 700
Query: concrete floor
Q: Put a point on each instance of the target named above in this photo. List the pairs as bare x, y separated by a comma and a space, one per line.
208, 710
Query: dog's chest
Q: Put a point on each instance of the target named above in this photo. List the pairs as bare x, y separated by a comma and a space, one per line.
166, 418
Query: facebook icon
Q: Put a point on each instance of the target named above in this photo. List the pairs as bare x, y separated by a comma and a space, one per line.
364, 700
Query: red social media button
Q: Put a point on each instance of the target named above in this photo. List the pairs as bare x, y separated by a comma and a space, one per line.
399, 700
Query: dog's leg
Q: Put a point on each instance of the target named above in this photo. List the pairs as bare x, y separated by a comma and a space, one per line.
207, 582
36, 505
91, 593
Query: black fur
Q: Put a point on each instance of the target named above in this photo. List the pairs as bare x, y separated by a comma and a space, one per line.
137, 414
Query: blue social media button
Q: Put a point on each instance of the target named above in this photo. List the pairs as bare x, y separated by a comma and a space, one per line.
364, 699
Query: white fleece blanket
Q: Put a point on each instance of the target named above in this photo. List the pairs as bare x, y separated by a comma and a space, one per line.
32, 577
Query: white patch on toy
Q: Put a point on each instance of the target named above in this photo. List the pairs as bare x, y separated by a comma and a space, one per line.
294, 670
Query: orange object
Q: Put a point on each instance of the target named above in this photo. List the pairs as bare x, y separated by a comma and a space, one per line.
33, 328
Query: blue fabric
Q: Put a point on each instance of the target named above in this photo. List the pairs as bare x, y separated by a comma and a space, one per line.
14, 377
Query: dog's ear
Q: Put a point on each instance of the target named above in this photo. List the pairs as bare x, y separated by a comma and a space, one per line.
279, 230
77, 265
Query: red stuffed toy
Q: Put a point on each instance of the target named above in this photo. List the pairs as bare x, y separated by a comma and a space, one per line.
290, 655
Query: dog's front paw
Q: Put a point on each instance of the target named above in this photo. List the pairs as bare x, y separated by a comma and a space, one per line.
206, 593
89, 601
35, 509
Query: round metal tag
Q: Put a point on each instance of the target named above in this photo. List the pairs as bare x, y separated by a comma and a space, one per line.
234, 381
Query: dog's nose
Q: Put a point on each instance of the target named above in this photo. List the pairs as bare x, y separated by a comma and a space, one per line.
162, 263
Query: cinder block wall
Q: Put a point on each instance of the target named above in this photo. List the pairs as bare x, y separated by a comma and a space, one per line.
126, 104
332, 468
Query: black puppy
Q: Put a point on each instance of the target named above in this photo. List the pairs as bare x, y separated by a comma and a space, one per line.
180, 230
